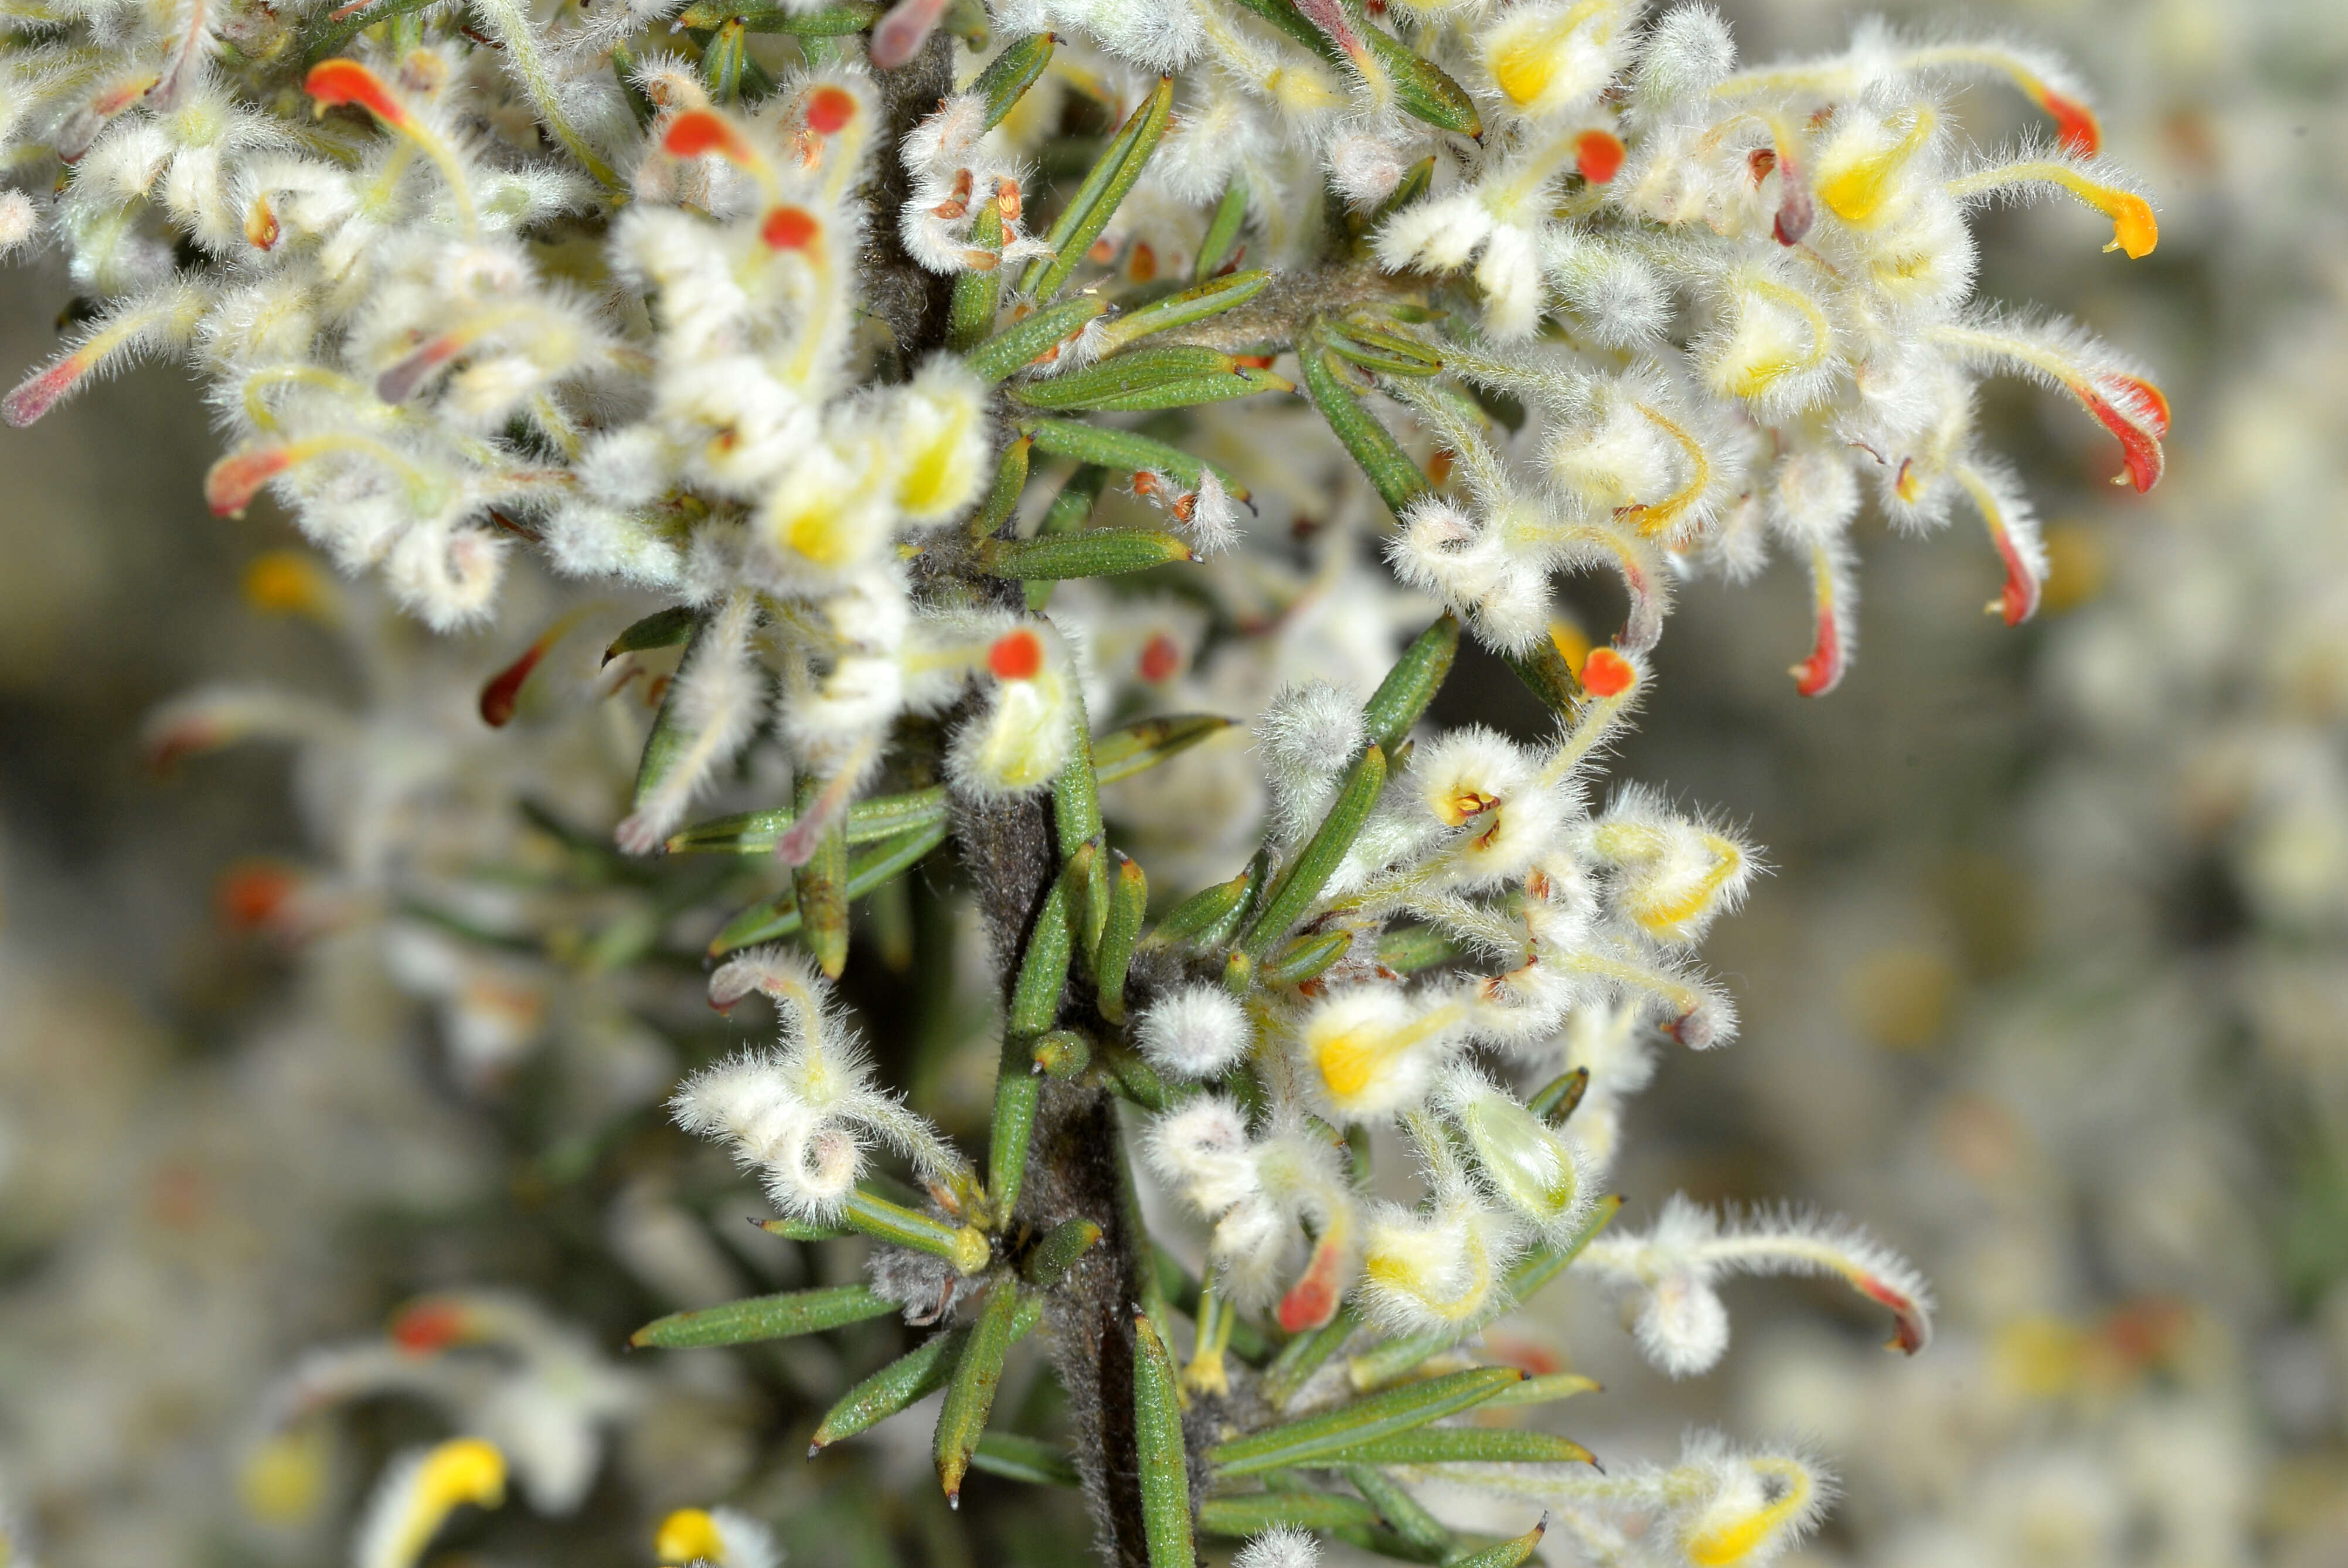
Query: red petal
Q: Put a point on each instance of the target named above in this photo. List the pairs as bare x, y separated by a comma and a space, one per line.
334, 83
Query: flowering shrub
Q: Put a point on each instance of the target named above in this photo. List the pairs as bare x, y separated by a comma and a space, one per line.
776, 338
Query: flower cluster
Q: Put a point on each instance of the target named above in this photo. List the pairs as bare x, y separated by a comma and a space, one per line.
779, 338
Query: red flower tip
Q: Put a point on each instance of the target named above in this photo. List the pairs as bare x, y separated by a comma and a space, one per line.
789, 229
1017, 655
1822, 671
502, 694
697, 131
248, 896
2076, 125
424, 1326
37, 395
1599, 153
233, 480
829, 110
1607, 674
2138, 416
334, 83
1161, 658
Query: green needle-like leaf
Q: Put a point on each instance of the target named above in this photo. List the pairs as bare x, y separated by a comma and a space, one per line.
1548, 677
1305, 957
1129, 899
877, 865
912, 1377
1253, 1513
831, 22
660, 629
961, 1245
1158, 1444
1011, 73
1057, 1254
1351, 1426
1131, 749
1169, 375
1403, 1513
1458, 1446
1035, 1003
970, 1392
1375, 349
1558, 1099
1024, 1458
977, 292
1003, 496
1401, 698
1103, 189
1513, 1553
1299, 887
1125, 450
1022, 342
1397, 480
761, 1317
1408, 949
1222, 244
1193, 304
1098, 552
819, 886
1209, 909
871, 820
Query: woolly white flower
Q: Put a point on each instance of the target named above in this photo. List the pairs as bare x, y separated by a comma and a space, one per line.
1197, 1031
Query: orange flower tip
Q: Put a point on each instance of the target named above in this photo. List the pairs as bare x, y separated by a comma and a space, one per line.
1598, 154
829, 108
260, 229
2134, 228
1161, 658
698, 131
250, 895
425, 1328
1103, 250
335, 83
236, 478
37, 395
1252, 361
1607, 674
1017, 655
2076, 125
503, 692
789, 229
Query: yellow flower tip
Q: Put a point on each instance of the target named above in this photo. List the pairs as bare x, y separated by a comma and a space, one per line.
462, 1471
1857, 178
284, 1481
2134, 228
1571, 643
1721, 1537
689, 1535
288, 582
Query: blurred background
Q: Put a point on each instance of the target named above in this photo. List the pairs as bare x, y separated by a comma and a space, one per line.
2047, 986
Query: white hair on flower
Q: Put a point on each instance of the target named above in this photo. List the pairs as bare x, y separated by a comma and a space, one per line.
1673, 1271
798, 1113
